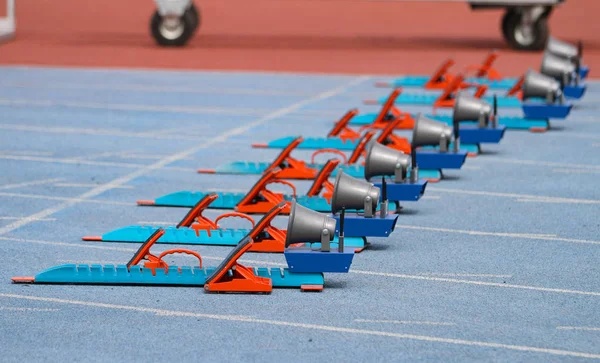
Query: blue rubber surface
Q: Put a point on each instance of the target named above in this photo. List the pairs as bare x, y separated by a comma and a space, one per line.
497, 262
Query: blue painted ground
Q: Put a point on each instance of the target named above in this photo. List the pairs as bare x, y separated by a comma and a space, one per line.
498, 262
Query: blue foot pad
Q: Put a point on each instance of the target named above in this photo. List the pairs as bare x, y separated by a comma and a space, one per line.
404, 191
575, 92
307, 260
356, 225
545, 111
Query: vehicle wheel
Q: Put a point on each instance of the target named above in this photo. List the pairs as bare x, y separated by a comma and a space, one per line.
523, 37
171, 30
506, 20
194, 16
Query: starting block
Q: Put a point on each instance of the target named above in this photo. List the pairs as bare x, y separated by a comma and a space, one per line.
350, 165
445, 99
229, 276
485, 74
196, 229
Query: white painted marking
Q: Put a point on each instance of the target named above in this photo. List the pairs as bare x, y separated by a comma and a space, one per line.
186, 153
522, 197
98, 156
130, 107
97, 245
18, 218
431, 197
545, 237
28, 153
156, 223
12, 308
28, 184
542, 163
158, 89
46, 197
575, 171
405, 322
463, 275
96, 132
577, 328
596, 144
328, 328
89, 185
75, 161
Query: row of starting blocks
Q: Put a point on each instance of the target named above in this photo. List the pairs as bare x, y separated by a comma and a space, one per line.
331, 223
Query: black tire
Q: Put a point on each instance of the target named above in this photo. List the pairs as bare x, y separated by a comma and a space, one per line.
194, 16
178, 38
540, 33
507, 19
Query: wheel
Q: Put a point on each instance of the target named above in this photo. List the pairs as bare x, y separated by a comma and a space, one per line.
194, 16
506, 20
522, 36
171, 30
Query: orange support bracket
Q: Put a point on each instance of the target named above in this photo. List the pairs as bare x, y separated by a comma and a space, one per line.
153, 262
291, 168
440, 78
387, 137
259, 199
341, 129
242, 278
322, 181
446, 99
517, 89
390, 112
486, 69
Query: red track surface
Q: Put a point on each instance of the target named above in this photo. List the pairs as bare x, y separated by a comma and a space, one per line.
338, 36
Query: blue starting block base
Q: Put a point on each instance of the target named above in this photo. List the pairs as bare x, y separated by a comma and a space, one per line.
511, 123
440, 160
355, 170
576, 92
534, 109
583, 71
472, 134
356, 225
174, 276
398, 192
308, 260
420, 81
188, 236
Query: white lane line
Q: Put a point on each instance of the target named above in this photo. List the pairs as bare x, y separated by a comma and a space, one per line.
431, 197
405, 322
12, 308
328, 328
101, 246
18, 218
232, 111
28, 184
521, 197
478, 283
157, 89
186, 153
576, 171
577, 328
156, 223
27, 153
74, 161
542, 163
96, 132
98, 156
89, 185
463, 275
544, 237
596, 144
75, 200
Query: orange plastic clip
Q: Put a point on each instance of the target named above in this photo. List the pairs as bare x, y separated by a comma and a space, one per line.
446, 99
259, 199
292, 168
341, 129
440, 78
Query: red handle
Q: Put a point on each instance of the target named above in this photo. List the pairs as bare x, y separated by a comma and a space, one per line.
178, 250
285, 182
